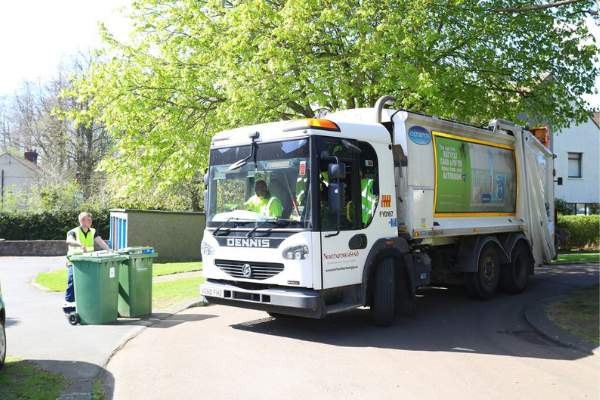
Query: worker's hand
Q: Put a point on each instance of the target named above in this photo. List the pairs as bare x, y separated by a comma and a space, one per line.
84, 249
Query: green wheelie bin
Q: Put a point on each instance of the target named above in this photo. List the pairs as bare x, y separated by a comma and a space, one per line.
135, 281
96, 279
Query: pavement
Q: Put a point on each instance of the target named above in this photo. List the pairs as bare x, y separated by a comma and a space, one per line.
37, 329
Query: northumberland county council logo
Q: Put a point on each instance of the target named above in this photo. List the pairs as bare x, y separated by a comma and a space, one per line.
386, 201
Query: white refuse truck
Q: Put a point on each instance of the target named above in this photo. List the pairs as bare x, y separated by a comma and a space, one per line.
366, 205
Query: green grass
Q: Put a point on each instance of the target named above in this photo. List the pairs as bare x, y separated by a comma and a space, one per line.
578, 313
578, 257
56, 281
21, 379
175, 268
166, 294
98, 390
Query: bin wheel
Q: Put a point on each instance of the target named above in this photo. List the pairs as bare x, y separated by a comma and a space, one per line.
74, 318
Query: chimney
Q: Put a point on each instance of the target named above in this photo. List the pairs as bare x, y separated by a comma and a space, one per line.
31, 156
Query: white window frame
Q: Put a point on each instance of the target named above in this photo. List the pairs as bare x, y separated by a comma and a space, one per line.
574, 158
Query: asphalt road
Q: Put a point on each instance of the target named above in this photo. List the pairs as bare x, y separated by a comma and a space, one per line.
454, 347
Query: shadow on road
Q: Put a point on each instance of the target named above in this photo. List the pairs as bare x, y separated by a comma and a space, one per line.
82, 376
447, 320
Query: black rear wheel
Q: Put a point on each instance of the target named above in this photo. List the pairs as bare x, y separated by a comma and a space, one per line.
384, 295
484, 282
515, 276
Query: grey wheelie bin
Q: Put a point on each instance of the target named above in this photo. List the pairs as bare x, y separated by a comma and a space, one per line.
135, 281
96, 279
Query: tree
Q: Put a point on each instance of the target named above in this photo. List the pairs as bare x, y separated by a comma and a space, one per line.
193, 68
68, 150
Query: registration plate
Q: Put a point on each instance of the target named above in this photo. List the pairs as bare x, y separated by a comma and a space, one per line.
211, 292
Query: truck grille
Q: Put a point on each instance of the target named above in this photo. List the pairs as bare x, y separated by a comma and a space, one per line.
249, 270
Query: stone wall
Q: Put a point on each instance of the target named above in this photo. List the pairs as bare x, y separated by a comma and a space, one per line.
24, 248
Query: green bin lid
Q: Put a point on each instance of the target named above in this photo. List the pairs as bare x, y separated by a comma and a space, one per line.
97, 257
135, 250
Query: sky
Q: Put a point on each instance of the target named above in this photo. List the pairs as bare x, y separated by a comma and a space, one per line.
35, 35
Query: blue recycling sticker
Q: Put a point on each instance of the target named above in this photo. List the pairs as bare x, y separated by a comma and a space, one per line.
393, 222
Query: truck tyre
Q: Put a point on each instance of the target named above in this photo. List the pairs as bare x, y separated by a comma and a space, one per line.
384, 294
515, 276
484, 283
2, 344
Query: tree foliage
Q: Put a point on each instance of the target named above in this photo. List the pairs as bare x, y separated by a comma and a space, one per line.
195, 67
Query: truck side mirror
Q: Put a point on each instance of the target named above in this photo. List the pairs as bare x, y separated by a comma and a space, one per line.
336, 196
336, 171
206, 178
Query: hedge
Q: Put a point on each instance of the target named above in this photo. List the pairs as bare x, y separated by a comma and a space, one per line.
580, 232
48, 225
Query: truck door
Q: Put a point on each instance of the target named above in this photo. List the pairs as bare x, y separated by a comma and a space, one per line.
342, 253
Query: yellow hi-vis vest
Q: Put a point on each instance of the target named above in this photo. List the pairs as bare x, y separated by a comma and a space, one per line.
86, 240
368, 200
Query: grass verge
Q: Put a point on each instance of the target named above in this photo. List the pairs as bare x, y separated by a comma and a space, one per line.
578, 313
56, 281
175, 268
167, 294
577, 257
21, 379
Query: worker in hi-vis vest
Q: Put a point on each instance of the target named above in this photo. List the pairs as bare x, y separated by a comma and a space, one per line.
368, 200
262, 202
80, 240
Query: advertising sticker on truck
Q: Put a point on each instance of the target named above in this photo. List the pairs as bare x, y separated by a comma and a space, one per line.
473, 176
419, 135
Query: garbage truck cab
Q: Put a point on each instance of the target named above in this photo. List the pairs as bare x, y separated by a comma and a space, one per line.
373, 204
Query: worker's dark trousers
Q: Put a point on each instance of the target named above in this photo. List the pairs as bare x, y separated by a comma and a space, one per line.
69, 303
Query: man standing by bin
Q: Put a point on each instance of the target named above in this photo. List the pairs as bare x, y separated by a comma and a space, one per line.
80, 240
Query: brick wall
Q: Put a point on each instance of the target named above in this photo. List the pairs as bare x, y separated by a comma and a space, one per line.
24, 248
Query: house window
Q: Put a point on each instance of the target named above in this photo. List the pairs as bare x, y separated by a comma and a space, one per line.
574, 165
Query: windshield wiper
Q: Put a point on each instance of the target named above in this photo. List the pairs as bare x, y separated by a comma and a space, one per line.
223, 224
249, 234
277, 221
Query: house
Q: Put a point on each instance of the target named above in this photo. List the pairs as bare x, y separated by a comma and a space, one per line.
577, 164
17, 173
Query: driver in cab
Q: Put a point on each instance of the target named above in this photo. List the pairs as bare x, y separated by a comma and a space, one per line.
262, 202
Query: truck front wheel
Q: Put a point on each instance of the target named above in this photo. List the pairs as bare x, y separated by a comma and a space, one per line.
484, 282
384, 294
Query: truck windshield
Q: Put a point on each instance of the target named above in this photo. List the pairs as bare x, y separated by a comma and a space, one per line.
263, 182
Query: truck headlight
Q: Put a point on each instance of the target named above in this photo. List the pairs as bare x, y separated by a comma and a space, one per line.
299, 252
206, 250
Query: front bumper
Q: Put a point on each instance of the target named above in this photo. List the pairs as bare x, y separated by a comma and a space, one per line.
290, 301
